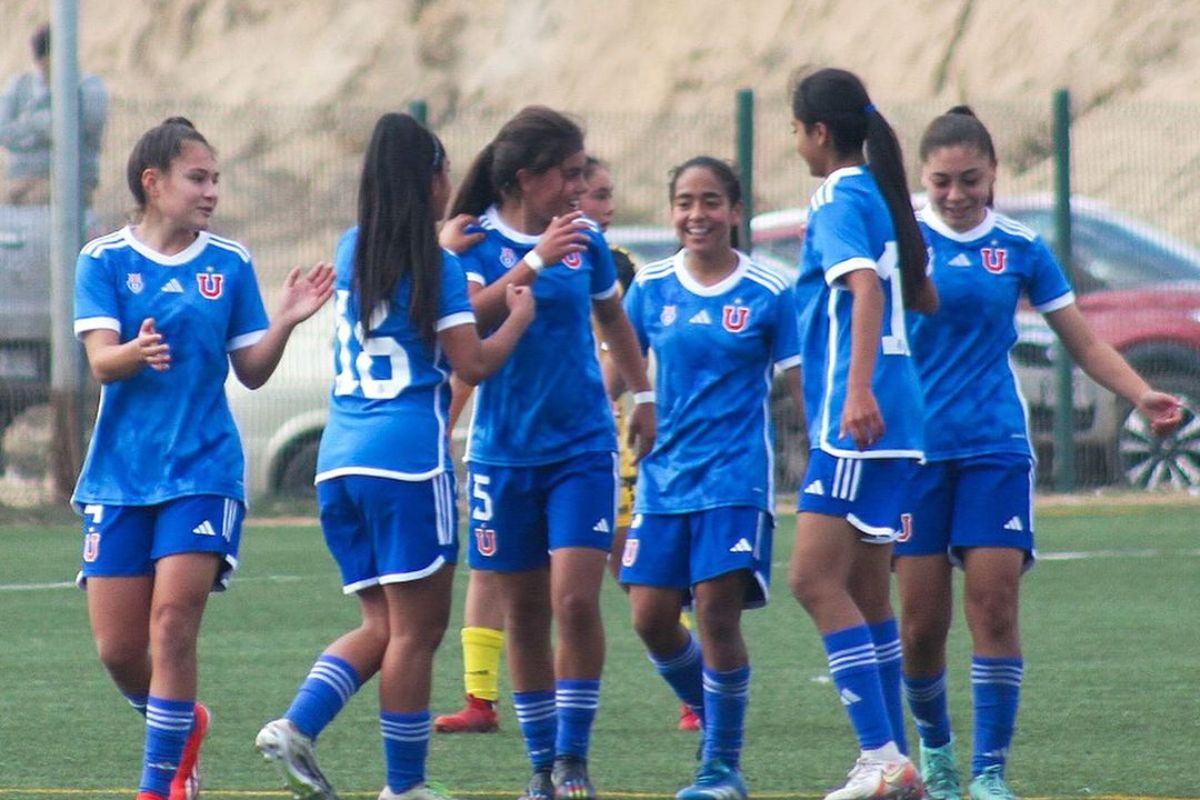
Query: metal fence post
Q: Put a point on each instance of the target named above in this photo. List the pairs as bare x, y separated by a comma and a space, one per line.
419, 110
745, 162
1064, 412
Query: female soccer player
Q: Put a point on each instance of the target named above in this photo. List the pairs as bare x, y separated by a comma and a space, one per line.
385, 479
718, 325
973, 499
163, 307
542, 448
863, 256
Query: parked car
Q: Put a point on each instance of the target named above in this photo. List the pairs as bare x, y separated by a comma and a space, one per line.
24, 309
1139, 288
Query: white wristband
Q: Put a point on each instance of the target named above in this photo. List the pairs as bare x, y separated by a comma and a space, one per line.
643, 397
534, 261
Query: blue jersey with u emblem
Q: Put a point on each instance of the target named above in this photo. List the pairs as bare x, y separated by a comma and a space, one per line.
850, 228
715, 349
163, 435
391, 394
973, 403
547, 403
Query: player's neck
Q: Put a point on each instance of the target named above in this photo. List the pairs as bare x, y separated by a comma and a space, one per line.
162, 237
709, 269
521, 219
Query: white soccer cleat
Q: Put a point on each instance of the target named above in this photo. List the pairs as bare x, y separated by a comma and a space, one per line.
280, 741
422, 791
880, 780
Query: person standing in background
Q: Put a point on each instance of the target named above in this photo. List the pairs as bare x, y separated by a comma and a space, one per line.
25, 130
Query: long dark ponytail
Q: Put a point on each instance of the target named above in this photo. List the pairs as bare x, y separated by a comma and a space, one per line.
397, 234
839, 99
537, 139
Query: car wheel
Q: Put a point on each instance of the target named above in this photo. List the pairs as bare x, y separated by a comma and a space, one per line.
1172, 462
296, 473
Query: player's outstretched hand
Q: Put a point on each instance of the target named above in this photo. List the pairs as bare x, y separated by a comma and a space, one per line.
520, 303
152, 348
564, 235
861, 419
304, 295
460, 233
1163, 411
643, 427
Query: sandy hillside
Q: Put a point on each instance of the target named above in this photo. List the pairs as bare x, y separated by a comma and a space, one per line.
1131, 65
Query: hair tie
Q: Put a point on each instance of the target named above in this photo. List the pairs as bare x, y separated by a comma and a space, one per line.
869, 108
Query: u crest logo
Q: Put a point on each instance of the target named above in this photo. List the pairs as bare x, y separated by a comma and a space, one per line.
734, 318
573, 260
629, 556
91, 546
906, 527
485, 541
994, 261
211, 284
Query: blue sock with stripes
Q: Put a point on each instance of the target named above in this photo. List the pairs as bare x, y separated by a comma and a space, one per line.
886, 637
168, 723
927, 699
138, 701
329, 686
996, 687
683, 671
855, 673
405, 747
538, 718
726, 695
577, 701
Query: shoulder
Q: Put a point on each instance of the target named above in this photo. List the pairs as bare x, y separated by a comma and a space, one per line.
655, 271
769, 280
1014, 230
851, 185
223, 245
105, 246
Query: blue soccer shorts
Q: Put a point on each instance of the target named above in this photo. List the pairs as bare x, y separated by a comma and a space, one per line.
382, 530
869, 493
126, 541
518, 515
678, 551
980, 501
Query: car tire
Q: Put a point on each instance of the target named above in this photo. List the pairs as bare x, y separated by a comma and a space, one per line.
1143, 462
297, 469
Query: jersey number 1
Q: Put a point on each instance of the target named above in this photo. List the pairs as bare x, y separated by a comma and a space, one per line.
356, 353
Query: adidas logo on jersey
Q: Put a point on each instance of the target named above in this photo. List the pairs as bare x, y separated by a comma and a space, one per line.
742, 546
849, 698
959, 260
602, 527
1014, 524
816, 487
204, 529
173, 286
701, 317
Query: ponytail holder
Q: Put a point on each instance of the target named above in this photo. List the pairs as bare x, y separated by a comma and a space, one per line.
869, 108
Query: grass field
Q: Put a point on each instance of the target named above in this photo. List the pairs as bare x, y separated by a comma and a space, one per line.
1111, 624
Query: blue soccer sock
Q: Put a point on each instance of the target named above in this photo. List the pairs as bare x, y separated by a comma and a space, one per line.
329, 686
538, 716
996, 687
927, 699
168, 723
138, 701
683, 671
855, 673
726, 695
886, 637
577, 701
405, 747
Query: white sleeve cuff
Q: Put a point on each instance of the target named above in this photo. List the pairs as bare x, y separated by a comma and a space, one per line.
607, 293
245, 340
837, 271
86, 324
454, 320
1062, 301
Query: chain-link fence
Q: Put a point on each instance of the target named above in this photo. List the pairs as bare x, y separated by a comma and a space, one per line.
288, 183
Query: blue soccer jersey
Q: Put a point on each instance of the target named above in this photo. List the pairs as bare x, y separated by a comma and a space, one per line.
163, 435
715, 348
850, 228
391, 394
547, 403
972, 401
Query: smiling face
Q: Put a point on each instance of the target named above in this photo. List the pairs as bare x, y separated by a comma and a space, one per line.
556, 191
185, 196
598, 202
703, 217
959, 180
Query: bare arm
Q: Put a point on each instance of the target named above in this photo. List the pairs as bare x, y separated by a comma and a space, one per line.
627, 357
1109, 369
861, 418
474, 359
302, 297
111, 361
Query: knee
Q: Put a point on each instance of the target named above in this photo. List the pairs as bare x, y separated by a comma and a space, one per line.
923, 633
173, 631
576, 609
122, 653
992, 613
807, 587
656, 630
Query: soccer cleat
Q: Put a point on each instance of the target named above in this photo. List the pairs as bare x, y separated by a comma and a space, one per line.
940, 772
280, 741
422, 791
186, 783
990, 785
688, 721
715, 780
541, 787
478, 716
570, 779
880, 780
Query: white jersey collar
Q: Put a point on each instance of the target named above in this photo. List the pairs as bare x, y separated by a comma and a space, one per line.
930, 217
